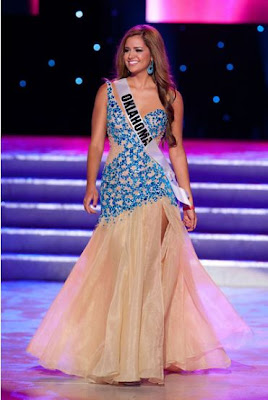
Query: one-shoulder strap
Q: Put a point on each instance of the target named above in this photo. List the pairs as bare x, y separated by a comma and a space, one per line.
151, 147
109, 90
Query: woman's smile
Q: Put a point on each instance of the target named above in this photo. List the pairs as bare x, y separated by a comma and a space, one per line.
136, 53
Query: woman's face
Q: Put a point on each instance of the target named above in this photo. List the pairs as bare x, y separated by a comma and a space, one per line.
137, 55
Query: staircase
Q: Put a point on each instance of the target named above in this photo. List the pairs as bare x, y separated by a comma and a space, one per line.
45, 228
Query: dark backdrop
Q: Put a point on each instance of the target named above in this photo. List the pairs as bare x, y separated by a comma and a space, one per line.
52, 103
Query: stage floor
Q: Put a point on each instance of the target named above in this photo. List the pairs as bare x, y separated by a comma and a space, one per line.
24, 304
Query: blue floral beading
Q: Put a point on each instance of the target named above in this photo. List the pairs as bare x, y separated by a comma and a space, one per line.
130, 177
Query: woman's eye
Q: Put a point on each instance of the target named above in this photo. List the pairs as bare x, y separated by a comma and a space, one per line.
138, 50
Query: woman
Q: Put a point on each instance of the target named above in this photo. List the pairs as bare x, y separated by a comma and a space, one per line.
138, 301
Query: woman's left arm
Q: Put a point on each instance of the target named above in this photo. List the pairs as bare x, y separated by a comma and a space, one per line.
179, 161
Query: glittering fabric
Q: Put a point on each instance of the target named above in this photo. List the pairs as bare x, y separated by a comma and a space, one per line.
130, 177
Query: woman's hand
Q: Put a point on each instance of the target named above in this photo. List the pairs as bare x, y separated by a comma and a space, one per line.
91, 195
189, 219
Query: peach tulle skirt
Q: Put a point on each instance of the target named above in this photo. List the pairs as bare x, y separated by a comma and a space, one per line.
133, 306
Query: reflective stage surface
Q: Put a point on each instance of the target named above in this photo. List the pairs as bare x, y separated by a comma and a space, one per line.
24, 304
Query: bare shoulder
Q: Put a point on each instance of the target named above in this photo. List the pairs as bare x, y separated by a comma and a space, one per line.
102, 89
101, 96
174, 96
176, 99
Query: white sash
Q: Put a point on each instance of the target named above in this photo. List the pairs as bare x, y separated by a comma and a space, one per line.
151, 147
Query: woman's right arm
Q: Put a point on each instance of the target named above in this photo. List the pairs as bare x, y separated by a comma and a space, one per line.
95, 149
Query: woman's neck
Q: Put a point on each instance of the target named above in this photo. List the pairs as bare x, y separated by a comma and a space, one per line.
140, 81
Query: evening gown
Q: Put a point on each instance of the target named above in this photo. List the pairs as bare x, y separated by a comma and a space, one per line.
134, 305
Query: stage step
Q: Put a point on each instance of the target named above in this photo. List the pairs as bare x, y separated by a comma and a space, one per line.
203, 169
231, 246
237, 273
57, 268
45, 165
72, 242
45, 227
206, 194
51, 241
16, 266
207, 169
73, 216
46, 215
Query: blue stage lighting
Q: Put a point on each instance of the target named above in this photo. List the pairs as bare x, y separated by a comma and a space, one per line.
183, 68
79, 14
230, 67
216, 99
22, 83
260, 28
114, 12
96, 47
78, 81
51, 63
220, 45
226, 117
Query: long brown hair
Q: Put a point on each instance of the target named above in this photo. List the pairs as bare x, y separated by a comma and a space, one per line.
161, 76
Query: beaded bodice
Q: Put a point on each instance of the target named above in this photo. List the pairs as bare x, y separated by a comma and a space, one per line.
130, 176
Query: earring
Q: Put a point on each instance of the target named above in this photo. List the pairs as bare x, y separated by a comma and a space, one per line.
150, 68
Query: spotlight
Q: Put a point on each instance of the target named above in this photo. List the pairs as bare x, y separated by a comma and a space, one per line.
79, 81
79, 14
260, 28
230, 67
22, 83
216, 99
226, 117
183, 68
220, 45
96, 47
51, 63
114, 12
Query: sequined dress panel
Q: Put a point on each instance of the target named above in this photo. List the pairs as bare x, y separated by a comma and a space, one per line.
131, 177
